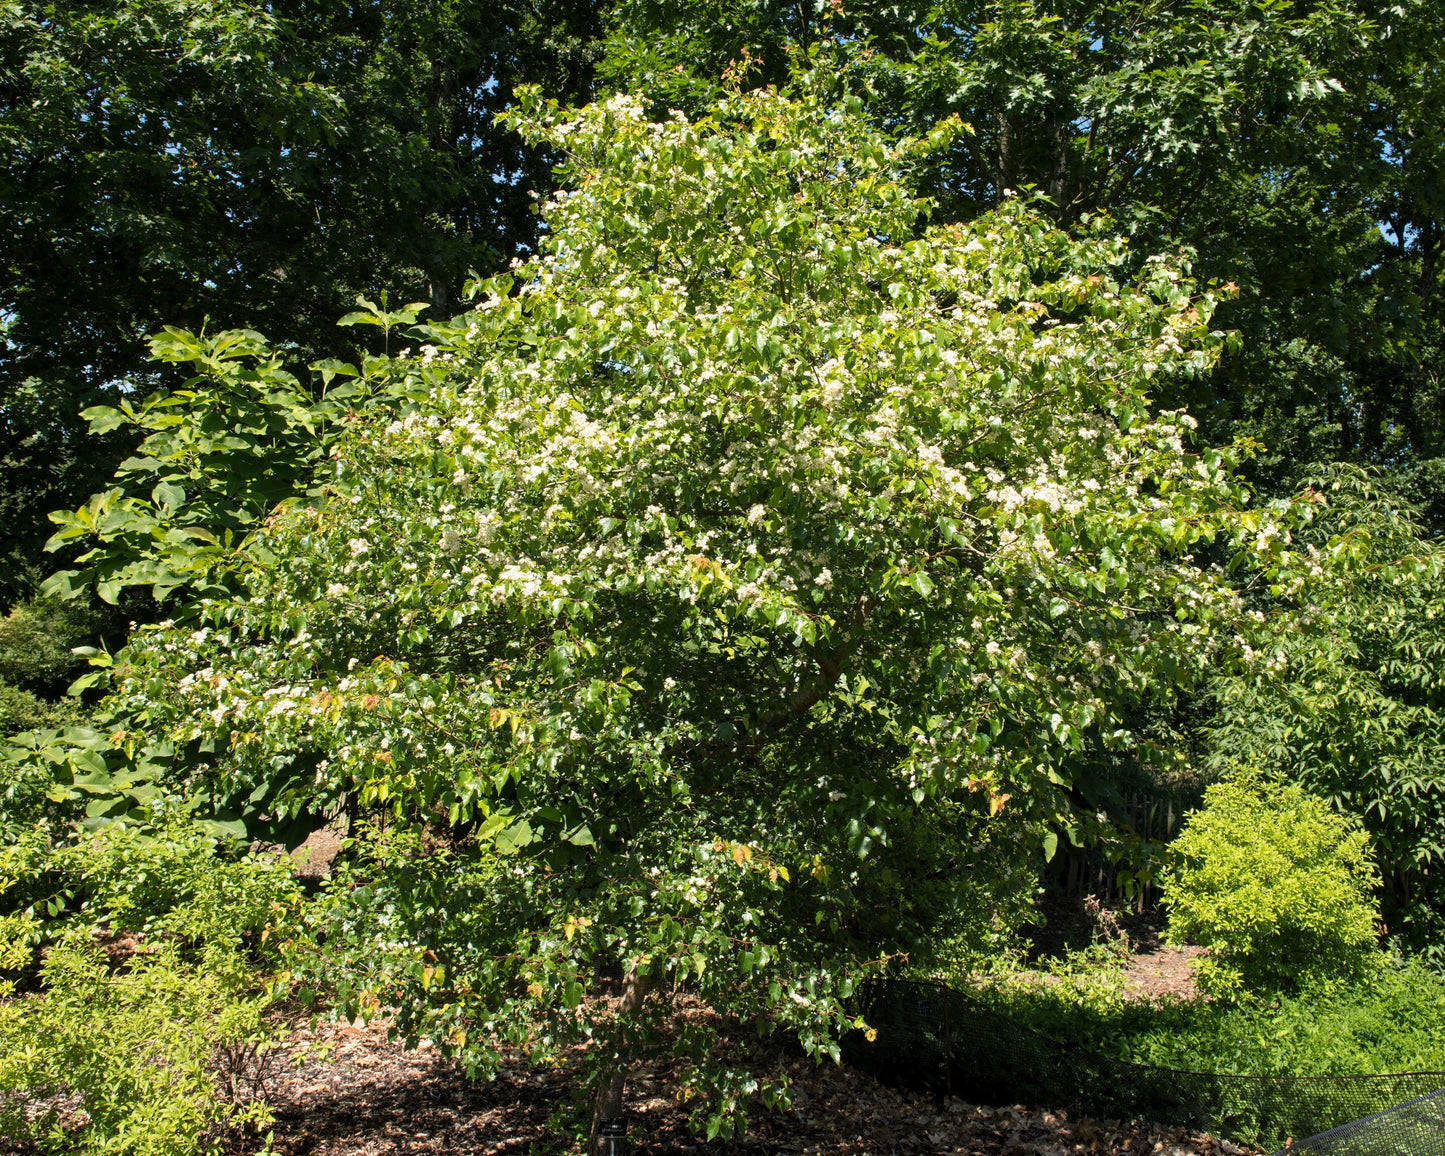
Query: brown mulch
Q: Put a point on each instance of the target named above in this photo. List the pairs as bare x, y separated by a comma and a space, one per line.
1152, 968
1158, 971
371, 1098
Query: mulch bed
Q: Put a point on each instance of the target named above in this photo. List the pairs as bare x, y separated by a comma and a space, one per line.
1152, 969
372, 1098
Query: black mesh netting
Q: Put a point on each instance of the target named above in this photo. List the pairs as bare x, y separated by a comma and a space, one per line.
932, 1037
1416, 1128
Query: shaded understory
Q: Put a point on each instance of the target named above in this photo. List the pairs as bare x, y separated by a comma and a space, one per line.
372, 1098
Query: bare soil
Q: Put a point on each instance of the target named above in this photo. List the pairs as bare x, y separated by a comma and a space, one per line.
1159, 971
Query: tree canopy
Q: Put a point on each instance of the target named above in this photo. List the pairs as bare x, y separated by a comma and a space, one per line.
728, 570
1293, 146
264, 166
742, 527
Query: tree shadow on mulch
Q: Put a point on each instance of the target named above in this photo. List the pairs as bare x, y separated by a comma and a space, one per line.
371, 1098
1064, 924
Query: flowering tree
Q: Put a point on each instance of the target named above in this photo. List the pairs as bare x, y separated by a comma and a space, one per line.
730, 599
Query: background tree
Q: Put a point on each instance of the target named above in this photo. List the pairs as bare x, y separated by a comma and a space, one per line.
1343, 692
168, 162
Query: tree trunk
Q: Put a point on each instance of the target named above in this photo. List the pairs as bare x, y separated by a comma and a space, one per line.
1007, 172
443, 142
610, 1087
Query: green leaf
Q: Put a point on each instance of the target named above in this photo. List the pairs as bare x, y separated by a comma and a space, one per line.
90, 763
103, 419
356, 318
169, 497
227, 829
65, 584
514, 838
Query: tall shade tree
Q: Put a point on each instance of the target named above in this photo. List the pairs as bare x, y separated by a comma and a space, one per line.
1295, 147
265, 163
732, 595
1343, 692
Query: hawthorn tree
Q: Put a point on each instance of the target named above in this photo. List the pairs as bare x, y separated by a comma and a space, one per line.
721, 604
1296, 148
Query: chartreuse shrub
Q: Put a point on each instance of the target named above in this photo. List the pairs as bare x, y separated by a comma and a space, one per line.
107, 1060
737, 585
155, 1045
1275, 885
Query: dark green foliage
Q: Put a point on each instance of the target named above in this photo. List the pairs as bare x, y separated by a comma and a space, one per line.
164, 162
21, 710
47, 460
36, 663
684, 54
37, 638
1345, 695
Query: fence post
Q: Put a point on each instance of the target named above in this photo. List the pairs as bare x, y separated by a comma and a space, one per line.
947, 1046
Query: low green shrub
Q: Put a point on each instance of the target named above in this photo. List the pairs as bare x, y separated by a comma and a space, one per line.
23, 710
128, 1060
37, 663
1276, 886
136, 982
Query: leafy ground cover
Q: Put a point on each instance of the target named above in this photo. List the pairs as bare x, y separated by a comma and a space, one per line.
1138, 1002
1153, 969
